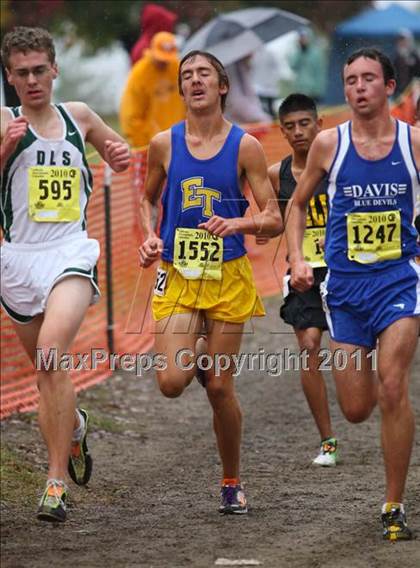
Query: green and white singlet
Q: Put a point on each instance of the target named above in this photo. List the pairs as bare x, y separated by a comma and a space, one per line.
46, 185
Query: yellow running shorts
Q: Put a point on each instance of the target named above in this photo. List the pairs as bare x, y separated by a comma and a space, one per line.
232, 299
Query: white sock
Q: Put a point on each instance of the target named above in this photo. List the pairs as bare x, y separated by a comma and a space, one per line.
54, 481
79, 431
400, 505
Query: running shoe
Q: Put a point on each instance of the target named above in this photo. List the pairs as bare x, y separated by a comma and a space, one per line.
232, 500
80, 461
395, 523
328, 453
52, 506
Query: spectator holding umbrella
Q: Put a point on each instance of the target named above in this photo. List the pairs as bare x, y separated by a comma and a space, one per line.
243, 105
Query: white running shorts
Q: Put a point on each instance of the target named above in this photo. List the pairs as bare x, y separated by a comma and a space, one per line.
30, 271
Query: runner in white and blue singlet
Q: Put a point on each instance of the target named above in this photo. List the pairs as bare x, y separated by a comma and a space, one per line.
372, 290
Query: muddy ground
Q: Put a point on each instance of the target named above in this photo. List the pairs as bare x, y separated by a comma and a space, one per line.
153, 498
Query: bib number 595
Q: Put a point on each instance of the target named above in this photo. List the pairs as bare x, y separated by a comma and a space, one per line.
57, 189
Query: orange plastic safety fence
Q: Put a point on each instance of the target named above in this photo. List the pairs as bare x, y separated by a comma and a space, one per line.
132, 286
18, 383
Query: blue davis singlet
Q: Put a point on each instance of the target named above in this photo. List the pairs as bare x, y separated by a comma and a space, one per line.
372, 206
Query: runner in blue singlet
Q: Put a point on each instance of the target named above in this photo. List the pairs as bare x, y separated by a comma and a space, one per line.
372, 290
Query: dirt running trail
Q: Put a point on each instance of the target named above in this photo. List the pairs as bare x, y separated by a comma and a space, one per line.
153, 498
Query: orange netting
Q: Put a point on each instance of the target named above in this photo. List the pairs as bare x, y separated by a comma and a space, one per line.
132, 286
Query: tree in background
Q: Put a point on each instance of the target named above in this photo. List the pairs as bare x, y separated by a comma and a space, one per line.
100, 22
324, 14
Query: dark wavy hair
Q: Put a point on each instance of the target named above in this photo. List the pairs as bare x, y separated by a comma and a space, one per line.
218, 65
373, 53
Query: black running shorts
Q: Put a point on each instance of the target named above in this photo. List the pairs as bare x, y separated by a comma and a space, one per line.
304, 309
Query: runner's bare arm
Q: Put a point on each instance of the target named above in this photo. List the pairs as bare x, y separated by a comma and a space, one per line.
159, 148
318, 163
415, 142
110, 145
6, 117
12, 131
273, 176
252, 163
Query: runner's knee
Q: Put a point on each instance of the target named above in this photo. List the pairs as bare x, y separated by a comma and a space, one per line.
356, 413
217, 389
48, 357
392, 393
171, 386
310, 344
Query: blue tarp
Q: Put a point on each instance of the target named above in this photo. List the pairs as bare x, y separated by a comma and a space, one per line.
374, 23
371, 27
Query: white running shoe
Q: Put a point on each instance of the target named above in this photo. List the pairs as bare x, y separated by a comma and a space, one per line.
328, 453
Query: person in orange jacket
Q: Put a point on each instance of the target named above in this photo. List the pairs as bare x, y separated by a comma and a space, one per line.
151, 101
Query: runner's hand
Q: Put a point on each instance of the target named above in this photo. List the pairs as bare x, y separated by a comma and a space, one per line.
150, 251
15, 131
117, 154
302, 276
219, 226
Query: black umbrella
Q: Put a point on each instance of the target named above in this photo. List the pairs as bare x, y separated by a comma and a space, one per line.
234, 35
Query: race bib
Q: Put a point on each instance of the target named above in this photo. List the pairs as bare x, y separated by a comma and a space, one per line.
54, 194
198, 255
160, 284
313, 248
374, 237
